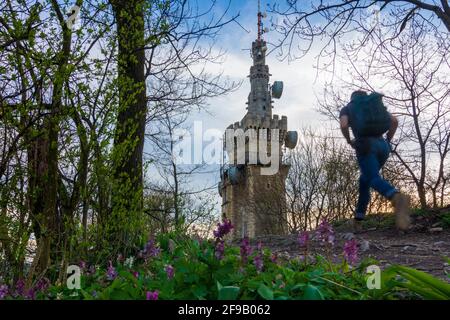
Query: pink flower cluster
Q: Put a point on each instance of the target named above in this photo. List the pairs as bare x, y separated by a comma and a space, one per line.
325, 232
152, 295
351, 251
245, 249
303, 238
223, 229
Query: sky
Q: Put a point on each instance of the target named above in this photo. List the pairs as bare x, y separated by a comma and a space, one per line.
301, 85
298, 100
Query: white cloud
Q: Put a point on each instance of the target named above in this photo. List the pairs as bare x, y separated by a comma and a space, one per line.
300, 85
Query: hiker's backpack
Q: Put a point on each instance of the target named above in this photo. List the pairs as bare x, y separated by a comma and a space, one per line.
368, 116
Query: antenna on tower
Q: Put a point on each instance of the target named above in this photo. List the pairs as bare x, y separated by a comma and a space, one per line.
259, 20
261, 28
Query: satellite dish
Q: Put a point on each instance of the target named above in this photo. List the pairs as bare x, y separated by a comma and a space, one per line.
291, 139
277, 89
235, 175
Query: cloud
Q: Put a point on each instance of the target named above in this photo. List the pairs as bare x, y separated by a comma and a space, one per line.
299, 77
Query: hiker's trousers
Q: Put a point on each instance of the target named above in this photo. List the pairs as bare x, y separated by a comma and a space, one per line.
372, 154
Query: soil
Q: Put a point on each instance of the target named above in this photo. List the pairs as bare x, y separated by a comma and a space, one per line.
424, 247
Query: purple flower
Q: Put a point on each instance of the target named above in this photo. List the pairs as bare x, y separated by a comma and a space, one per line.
20, 287
152, 295
246, 250
43, 284
258, 261
325, 232
274, 258
136, 274
31, 294
170, 271
223, 229
303, 239
4, 290
82, 264
259, 246
220, 249
351, 251
111, 273
150, 249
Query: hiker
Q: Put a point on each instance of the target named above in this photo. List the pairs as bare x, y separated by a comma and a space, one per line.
369, 120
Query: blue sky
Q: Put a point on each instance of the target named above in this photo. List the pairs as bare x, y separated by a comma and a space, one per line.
299, 77
298, 100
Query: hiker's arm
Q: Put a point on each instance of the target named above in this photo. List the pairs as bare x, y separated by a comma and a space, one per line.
392, 128
344, 128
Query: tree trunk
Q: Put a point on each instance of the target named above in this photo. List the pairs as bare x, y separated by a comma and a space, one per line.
127, 189
422, 196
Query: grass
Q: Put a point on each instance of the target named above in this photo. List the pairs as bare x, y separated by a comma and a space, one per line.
386, 220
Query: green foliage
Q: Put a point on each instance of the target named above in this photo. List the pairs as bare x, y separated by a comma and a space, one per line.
228, 292
422, 283
445, 220
198, 274
420, 212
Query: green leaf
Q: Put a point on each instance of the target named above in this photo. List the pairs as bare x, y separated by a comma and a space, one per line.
228, 293
425, 293
119, 295
312, 293
86, 295
265, 292
200, 291
422, 279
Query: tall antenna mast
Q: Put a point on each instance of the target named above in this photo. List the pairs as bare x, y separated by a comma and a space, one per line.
259, 21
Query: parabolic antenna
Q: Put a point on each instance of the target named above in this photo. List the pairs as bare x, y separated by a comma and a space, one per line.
235, 175
277, 89
291, 139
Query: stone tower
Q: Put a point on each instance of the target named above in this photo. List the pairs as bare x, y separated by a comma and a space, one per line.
254, 197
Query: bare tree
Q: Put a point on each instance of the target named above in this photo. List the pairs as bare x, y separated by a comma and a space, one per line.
176, 180
300, 24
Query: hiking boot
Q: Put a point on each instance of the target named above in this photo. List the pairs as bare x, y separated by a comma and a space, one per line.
402, 211
354, 226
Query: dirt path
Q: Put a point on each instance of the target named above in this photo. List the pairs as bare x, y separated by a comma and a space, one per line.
420, 250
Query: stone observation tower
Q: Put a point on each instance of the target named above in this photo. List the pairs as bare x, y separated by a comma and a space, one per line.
252, 183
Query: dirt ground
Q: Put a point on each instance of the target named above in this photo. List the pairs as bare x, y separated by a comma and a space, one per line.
424, 247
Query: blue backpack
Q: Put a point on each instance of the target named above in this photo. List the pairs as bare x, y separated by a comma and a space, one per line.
368, 116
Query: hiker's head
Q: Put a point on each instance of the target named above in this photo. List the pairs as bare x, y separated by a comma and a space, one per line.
358, 93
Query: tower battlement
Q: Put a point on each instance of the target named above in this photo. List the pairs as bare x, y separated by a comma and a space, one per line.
255, 122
